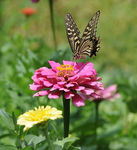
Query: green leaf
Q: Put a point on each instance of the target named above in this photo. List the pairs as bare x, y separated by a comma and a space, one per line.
7, 120
66, 140
74, 148
7, 147
34, 140
28, 148
21, 68
14, 121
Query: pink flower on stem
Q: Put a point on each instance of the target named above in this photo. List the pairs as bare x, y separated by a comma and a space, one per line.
71, 79
109, 93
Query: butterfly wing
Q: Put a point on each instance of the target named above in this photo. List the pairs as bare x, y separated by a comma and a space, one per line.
89, 42
73, 33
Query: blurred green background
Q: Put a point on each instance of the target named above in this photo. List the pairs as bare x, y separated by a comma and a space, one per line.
26, 43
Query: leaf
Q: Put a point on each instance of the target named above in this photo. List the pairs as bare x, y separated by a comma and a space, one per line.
5, 135
54, 128
66, 140
75, 148
7, 147
14, 121
21, 68
28, 148
34, 140
7, 120
31, 55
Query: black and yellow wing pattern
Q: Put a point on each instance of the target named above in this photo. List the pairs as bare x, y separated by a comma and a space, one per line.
73, 33
88, 44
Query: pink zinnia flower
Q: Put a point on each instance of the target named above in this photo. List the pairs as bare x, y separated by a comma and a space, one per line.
109, 93
28, 11
71, 79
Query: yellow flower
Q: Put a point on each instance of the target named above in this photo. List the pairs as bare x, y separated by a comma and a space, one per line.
38, 115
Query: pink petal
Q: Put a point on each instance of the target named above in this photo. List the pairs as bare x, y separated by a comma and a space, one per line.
110, 89
36, 87
88, 91
95, 96
79, 65
73, 78
87, 70
62, 82
48, 72
113, 97
54, 65
79, 88
83, 80
55, 87
35, 79
60, 79
41, 93
69, 85
40, 70
78, 101
109, 92
59, 87
64, 89
98, 78
47, 83
107, 95
96, 85
54, 95
68, 95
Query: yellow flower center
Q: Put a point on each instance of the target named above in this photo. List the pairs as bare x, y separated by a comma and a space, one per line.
65, 70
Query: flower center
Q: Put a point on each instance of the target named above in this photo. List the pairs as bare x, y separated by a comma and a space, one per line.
65, 70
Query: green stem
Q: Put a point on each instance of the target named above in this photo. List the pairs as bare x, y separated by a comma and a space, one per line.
66, 108
48, 139
52, 23
96, 118
1, 11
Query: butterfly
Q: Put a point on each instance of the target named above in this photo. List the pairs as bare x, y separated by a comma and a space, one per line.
88, 44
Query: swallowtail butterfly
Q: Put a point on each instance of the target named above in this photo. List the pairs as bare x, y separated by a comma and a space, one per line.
88, 44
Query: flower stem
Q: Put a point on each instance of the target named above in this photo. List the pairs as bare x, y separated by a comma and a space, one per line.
48, 139
1, 11
52, 23
66, 107
96, 118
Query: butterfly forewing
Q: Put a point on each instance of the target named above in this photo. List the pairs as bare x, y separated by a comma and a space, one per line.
73, 33
91, 27
89, 43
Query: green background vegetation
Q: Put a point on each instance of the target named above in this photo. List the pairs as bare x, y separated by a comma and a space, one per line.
27, 44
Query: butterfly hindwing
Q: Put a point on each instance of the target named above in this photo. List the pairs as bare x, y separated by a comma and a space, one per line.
73, 33
89, 42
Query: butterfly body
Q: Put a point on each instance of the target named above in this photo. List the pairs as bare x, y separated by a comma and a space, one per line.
88, 44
